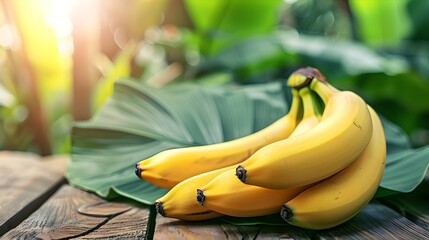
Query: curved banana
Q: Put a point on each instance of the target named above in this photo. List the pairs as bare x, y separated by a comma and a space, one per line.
316, 154
341, 196
180, 202
228, 195
168, 168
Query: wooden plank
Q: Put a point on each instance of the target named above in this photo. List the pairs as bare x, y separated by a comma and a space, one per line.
26, 182
169, 228
413, 205
73, 213
376, 221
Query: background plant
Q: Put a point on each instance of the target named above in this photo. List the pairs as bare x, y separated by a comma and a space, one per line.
376, 48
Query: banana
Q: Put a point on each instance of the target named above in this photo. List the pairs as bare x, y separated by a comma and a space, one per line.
341, 196
342, 134
228, 195
168, 168
180, 202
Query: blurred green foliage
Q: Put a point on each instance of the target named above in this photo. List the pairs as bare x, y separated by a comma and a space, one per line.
380, 49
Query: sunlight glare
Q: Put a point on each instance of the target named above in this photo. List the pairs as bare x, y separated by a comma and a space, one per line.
58, 18
7, 39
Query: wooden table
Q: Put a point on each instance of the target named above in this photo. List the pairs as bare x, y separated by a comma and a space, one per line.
37, 203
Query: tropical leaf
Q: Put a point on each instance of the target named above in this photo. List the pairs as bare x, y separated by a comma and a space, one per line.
139, 121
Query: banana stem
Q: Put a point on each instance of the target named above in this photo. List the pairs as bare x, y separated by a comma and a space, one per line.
295, 107
323, 89
310, 105
303, 76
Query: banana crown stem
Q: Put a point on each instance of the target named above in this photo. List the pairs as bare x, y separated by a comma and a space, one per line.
323, 89
295, 108
303, 76
311, 107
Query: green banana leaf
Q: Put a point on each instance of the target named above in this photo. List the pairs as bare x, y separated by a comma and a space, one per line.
139, 121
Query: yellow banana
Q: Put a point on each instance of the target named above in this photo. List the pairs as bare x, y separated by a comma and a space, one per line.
168, 168
228, 195
341, 196
342, 134
180, 201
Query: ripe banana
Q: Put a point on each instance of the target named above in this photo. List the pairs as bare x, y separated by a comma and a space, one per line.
228, 195
180, 202
341, 196
168, 168
316, 154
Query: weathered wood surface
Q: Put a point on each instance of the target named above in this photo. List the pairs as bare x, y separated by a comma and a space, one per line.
413, 205
26, 182
75, 214
168, 228
376, 221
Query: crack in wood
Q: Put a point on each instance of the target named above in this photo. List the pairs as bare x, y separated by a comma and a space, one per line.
31, 207
89, 231
151, 224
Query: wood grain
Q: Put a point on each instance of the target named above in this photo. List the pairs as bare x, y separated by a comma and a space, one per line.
59, 218
413, 205
169, 228
26, 182
376, 221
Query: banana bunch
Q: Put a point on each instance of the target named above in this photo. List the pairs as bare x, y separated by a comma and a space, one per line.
170, 167
226, 194
317, 166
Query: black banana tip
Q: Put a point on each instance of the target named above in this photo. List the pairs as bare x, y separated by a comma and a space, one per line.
138, 171
160, 208
240, 172
200, 196
286, 213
